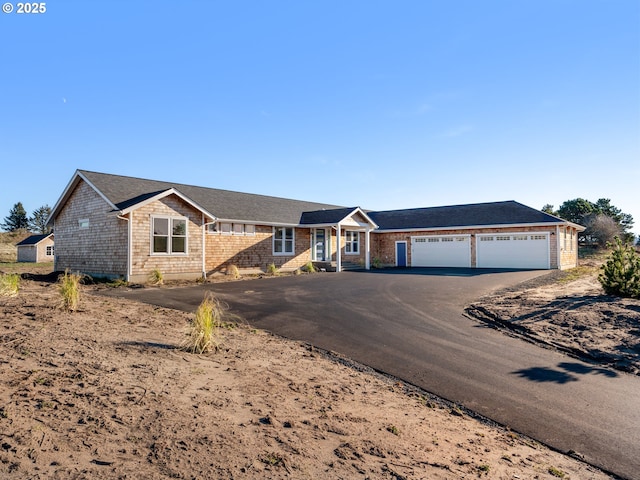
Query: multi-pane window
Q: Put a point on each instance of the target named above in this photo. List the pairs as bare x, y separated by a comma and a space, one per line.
49, 252
352, 242
169, 235
283, 240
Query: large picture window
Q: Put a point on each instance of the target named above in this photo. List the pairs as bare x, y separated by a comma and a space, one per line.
352, 242
283, 241
169, 235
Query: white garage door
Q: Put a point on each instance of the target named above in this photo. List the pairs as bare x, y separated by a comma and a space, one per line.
523, 250
441, 251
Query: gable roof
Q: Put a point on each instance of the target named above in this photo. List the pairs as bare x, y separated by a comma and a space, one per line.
126, 193
33, 240
471, 215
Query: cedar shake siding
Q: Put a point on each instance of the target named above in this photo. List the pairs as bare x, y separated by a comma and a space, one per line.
254, 252
98, 245
171, 265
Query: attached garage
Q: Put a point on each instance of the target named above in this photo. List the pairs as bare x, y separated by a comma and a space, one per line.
518, 250
441, 251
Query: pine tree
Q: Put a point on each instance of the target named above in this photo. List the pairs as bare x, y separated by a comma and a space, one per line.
38, 221
621, 273
17, 219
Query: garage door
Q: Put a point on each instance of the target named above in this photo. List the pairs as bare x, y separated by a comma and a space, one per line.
441, 251
524, 250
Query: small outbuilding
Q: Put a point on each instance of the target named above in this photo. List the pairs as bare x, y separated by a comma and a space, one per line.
36, 248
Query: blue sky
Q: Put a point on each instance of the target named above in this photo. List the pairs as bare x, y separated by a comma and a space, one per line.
379, 104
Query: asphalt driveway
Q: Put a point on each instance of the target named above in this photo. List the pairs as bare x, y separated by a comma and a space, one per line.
409, 323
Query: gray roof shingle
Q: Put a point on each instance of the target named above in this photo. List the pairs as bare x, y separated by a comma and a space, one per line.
477, 214
124, 192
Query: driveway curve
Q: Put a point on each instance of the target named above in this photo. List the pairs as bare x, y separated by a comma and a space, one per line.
410, 324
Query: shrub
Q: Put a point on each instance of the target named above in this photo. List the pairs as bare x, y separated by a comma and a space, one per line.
621, 272
69, 289
309, 267
204, 331
156, 277
9, 284
272, 269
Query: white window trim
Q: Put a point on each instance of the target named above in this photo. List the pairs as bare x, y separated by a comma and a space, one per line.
170, 219
49, 248
83, 223
351, 238
293, 242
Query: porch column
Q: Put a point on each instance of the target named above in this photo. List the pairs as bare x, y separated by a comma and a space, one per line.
338, 250
367, 250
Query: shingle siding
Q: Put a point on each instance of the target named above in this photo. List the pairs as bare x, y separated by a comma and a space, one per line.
254, 252
144, 262
98, 250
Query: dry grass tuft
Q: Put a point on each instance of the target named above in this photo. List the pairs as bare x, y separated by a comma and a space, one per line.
9, 285
204, 331
69, 288
156, 277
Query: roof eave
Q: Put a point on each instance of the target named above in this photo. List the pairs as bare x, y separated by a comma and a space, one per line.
476, 227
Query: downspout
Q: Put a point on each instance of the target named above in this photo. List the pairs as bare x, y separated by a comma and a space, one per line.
339, 250
558, 252
204, 227
129, 253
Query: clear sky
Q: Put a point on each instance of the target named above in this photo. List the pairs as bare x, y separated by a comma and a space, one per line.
379, 104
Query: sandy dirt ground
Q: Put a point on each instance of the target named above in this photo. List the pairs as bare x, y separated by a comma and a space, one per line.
105, 392
571, 313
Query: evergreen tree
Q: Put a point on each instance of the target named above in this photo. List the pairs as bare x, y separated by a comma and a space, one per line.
621, 273
38, 221
17, 219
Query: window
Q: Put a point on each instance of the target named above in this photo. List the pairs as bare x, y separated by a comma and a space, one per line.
433, 240
83, 223
486, 239
503, 238
49, 252
538, 237
169, 235
447, 239
283, 241
231, 229
352, 242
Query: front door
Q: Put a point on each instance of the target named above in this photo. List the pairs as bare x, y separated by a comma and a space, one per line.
319, 245
401, 254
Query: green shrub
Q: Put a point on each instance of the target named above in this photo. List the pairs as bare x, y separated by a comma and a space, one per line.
621, 272
272, 270
9, 285
204, 331
69, 288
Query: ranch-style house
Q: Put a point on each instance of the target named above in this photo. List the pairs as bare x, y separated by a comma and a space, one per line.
122, 227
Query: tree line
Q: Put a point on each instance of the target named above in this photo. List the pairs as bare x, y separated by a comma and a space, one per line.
603, 221
18, 220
